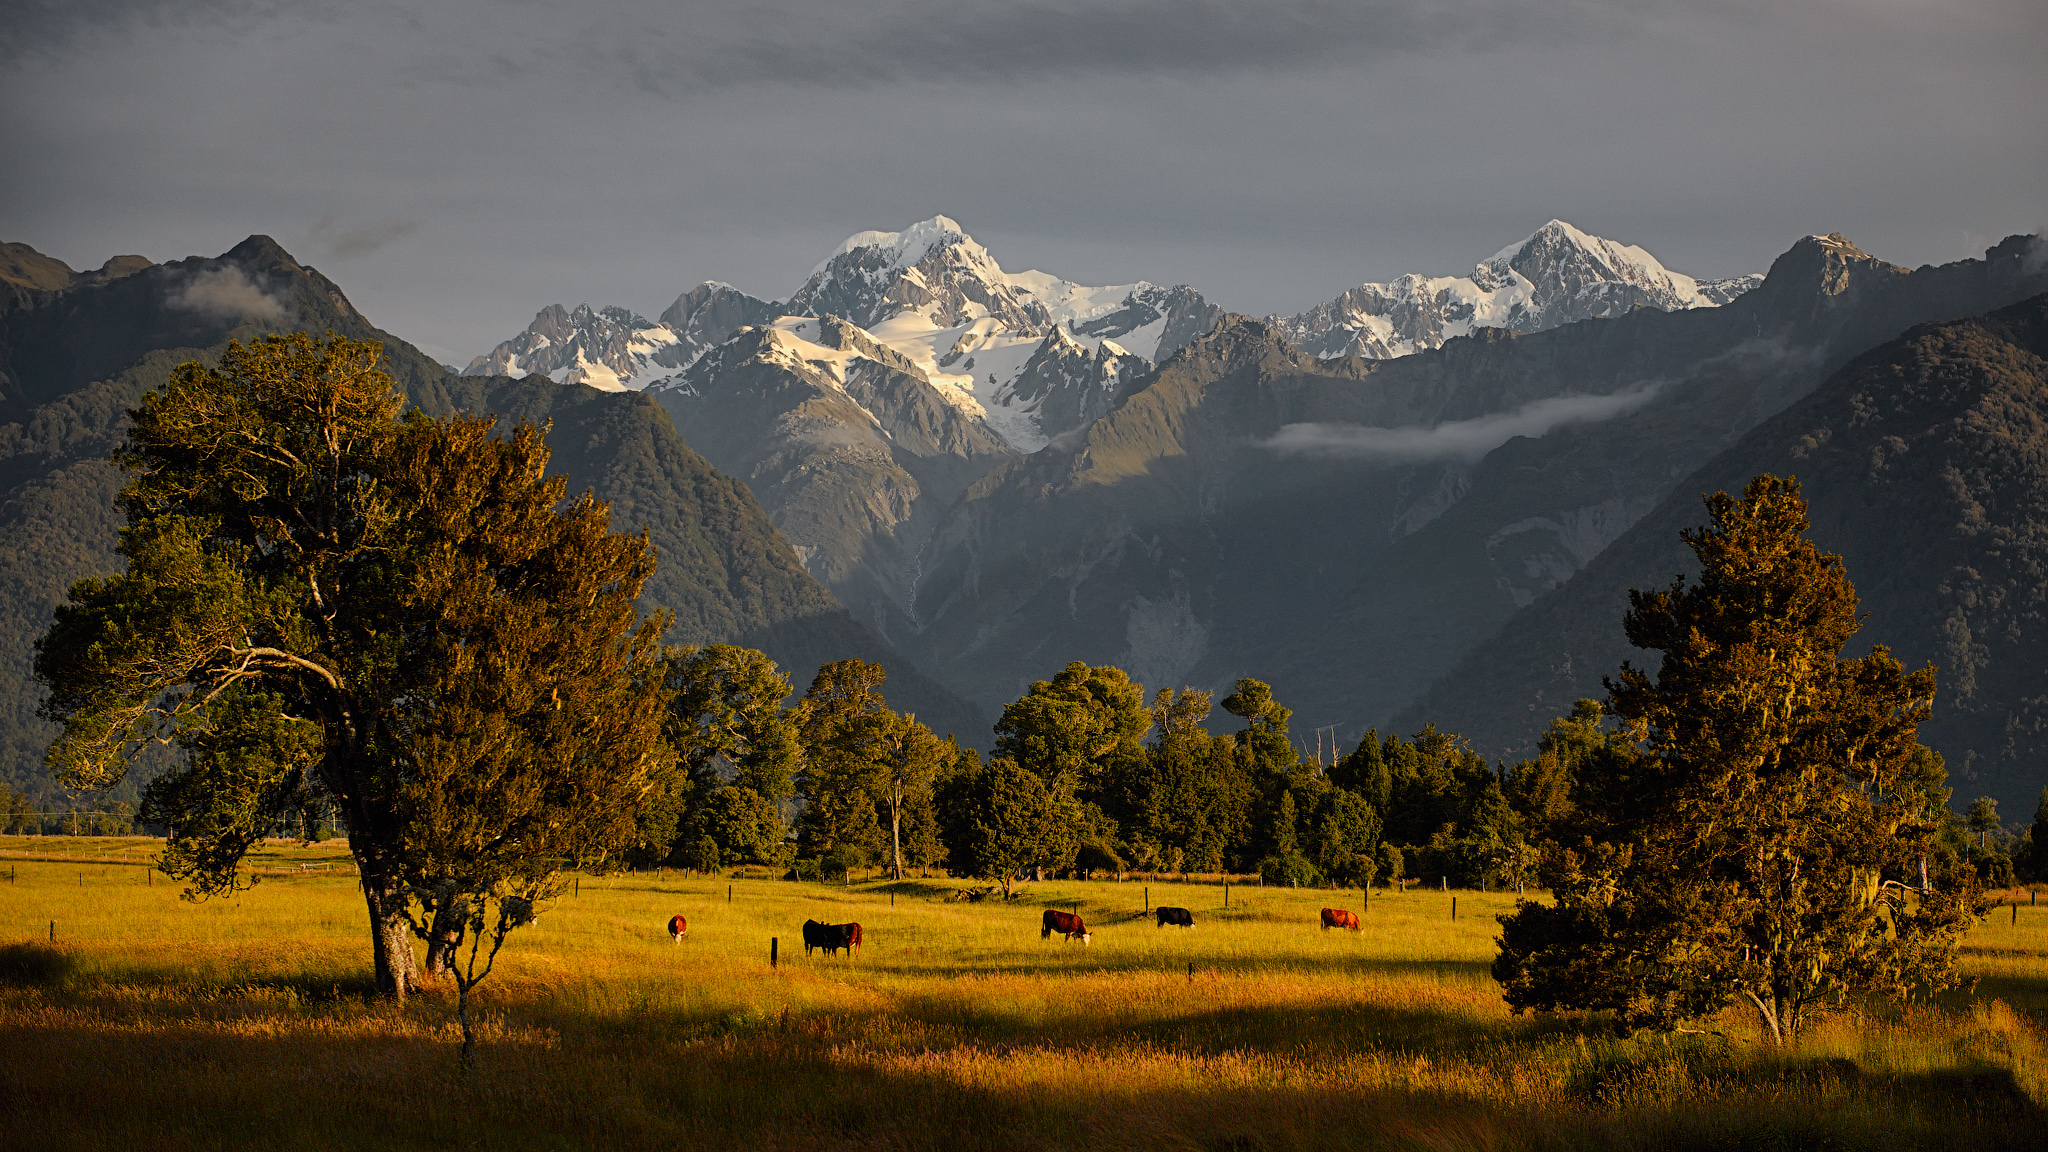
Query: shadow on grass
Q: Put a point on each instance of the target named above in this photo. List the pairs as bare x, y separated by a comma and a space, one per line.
801, 1087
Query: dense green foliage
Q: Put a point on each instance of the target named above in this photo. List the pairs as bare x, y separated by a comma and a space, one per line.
1761, 827
402, 616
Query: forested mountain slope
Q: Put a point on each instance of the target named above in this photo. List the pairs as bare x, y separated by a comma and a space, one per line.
74, 359
1925, 462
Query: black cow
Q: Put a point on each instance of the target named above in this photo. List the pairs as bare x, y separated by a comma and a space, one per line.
830, 937
1180, 916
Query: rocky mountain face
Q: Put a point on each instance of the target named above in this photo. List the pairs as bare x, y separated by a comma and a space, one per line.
1064, 386
929, 292
75, 359
932, 271
1027, 357
1557, 276
1347, 528
851, 451
1925, 465
615, 350
858, 410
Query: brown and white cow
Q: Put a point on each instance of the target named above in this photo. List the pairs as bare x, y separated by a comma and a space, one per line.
1339, 918
678, 928
1066, 924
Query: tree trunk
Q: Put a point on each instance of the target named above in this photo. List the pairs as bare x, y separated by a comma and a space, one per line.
444, 937
462, 1014
896, 838
397, 969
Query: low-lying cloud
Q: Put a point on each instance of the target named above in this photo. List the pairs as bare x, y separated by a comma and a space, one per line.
1456, 439
342, 243
228, 294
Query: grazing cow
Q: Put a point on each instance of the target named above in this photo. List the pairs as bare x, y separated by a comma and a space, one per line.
1180, 916
1339, 918
678, 928
1066, 924
830, 937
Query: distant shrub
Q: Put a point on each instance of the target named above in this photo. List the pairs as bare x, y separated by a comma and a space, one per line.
33, 965
1290, 868
1099, 856
842, 857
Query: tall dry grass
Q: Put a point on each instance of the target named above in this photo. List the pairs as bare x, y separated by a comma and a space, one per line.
247, 1022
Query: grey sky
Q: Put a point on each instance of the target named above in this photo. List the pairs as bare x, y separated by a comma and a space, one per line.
456, 166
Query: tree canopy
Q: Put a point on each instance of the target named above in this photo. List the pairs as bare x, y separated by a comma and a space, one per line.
1760, 832
403, 615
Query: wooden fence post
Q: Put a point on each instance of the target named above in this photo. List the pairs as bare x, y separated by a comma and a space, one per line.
774, 943
1454, 907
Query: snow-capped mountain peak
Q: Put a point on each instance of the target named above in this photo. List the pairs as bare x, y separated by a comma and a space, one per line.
909, 246
933, 269
1556, 275
615, 349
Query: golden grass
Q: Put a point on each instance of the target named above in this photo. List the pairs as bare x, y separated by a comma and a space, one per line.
246, 1022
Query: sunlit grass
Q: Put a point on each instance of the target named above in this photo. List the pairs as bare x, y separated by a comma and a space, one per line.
246, 1021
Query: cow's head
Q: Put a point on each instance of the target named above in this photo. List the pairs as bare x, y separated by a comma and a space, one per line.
1086, 936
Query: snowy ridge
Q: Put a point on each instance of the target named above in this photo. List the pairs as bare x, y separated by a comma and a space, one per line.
929, 297
613, 349
1002, 346
1557, 275
606, 349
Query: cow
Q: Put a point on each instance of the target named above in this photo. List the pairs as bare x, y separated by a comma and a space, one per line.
830, 937
1339, 918
1066, 924
678, 928
1180, 916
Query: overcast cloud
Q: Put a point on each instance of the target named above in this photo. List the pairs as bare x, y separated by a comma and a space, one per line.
459, 165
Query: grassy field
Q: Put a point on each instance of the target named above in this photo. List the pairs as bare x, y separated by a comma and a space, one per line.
148, 1022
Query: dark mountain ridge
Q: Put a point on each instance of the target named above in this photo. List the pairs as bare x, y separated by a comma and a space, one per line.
74, 360
1347, 529
1925, 464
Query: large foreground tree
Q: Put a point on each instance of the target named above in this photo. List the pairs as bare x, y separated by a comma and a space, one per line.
1761, 835
401, 614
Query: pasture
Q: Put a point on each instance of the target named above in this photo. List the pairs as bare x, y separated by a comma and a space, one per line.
149, 1022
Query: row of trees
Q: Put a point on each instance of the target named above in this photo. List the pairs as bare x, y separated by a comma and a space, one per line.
21, 816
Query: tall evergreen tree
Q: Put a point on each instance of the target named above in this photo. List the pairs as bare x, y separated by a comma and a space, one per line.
908, 759
839, 715
1365, 773
740, 747
1264, 742
1763, 840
